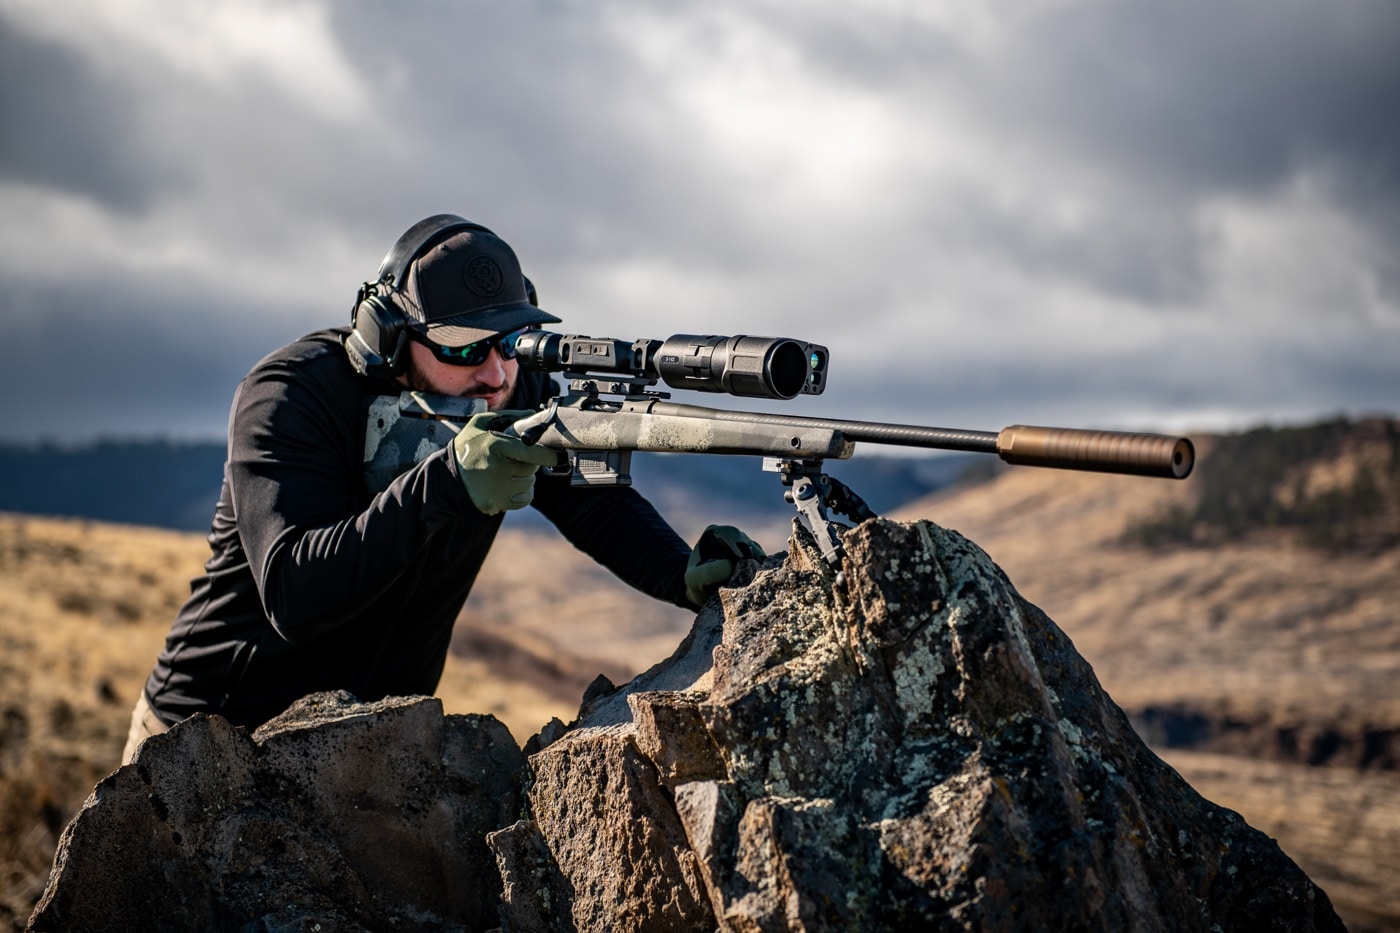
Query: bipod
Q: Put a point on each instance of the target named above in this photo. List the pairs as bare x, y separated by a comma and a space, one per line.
815, 495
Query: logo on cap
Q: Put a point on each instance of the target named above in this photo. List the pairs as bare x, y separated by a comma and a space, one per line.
483, 276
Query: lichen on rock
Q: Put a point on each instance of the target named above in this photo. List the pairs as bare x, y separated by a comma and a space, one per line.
920, 748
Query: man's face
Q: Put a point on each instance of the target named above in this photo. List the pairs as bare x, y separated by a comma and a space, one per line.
493, 380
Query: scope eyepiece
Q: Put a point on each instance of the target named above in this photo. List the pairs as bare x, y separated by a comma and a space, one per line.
752, 367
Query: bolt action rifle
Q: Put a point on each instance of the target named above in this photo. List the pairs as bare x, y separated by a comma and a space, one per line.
611, 409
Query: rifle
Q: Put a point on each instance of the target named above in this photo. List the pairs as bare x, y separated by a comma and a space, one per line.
611, 409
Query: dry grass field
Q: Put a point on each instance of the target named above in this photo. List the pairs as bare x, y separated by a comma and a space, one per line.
83, 607
1259, 628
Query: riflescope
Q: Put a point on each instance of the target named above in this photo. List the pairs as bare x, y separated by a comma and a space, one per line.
751, 367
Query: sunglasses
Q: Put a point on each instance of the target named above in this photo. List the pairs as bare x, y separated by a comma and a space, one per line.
473, 354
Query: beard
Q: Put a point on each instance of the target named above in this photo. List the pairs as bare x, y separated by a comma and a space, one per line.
497, 397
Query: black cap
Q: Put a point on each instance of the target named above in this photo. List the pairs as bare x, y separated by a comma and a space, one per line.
468, 287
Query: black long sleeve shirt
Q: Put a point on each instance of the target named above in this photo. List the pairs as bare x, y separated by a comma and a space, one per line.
318, 582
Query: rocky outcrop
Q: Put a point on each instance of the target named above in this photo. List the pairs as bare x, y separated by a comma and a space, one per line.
915, 747
336, 816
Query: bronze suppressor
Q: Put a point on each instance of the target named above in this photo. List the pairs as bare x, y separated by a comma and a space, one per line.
1101, 451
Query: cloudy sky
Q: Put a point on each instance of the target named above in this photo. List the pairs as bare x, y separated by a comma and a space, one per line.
1097, 213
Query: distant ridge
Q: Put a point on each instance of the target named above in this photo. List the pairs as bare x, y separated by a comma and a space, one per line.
1334, 484
165, 484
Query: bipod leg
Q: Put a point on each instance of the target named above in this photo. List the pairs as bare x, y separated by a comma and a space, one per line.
812, 492
843, 500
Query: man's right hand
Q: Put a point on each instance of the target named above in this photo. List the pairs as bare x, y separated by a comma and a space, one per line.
498, 469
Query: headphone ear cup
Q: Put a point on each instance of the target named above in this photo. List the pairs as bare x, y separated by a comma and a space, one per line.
378, 340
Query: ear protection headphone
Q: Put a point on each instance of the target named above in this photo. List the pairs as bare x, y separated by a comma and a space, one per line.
377, 344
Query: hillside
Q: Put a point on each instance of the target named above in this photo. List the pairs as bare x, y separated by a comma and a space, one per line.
1332, 486
1253, 653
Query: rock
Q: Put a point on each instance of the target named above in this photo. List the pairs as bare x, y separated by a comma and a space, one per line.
914, 748
335, 816
919, 749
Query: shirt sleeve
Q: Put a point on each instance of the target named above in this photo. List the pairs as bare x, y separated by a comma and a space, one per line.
318, 554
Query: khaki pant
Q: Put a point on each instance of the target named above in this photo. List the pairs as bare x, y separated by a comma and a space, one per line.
144, 724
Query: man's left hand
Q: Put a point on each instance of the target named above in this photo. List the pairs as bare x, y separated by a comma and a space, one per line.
713, 559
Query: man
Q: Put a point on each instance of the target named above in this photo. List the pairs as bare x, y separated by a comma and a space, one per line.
333, 568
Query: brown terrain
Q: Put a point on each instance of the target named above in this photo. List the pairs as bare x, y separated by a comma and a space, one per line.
1263, 668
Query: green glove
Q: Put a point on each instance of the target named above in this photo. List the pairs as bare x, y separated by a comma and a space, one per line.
713, 559
498, 469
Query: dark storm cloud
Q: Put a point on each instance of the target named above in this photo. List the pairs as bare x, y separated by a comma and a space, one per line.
1201, 98
537, 117
1222, 95
1199, 92
1163, 106
90, 363
67, 128
539, 114
986, 388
